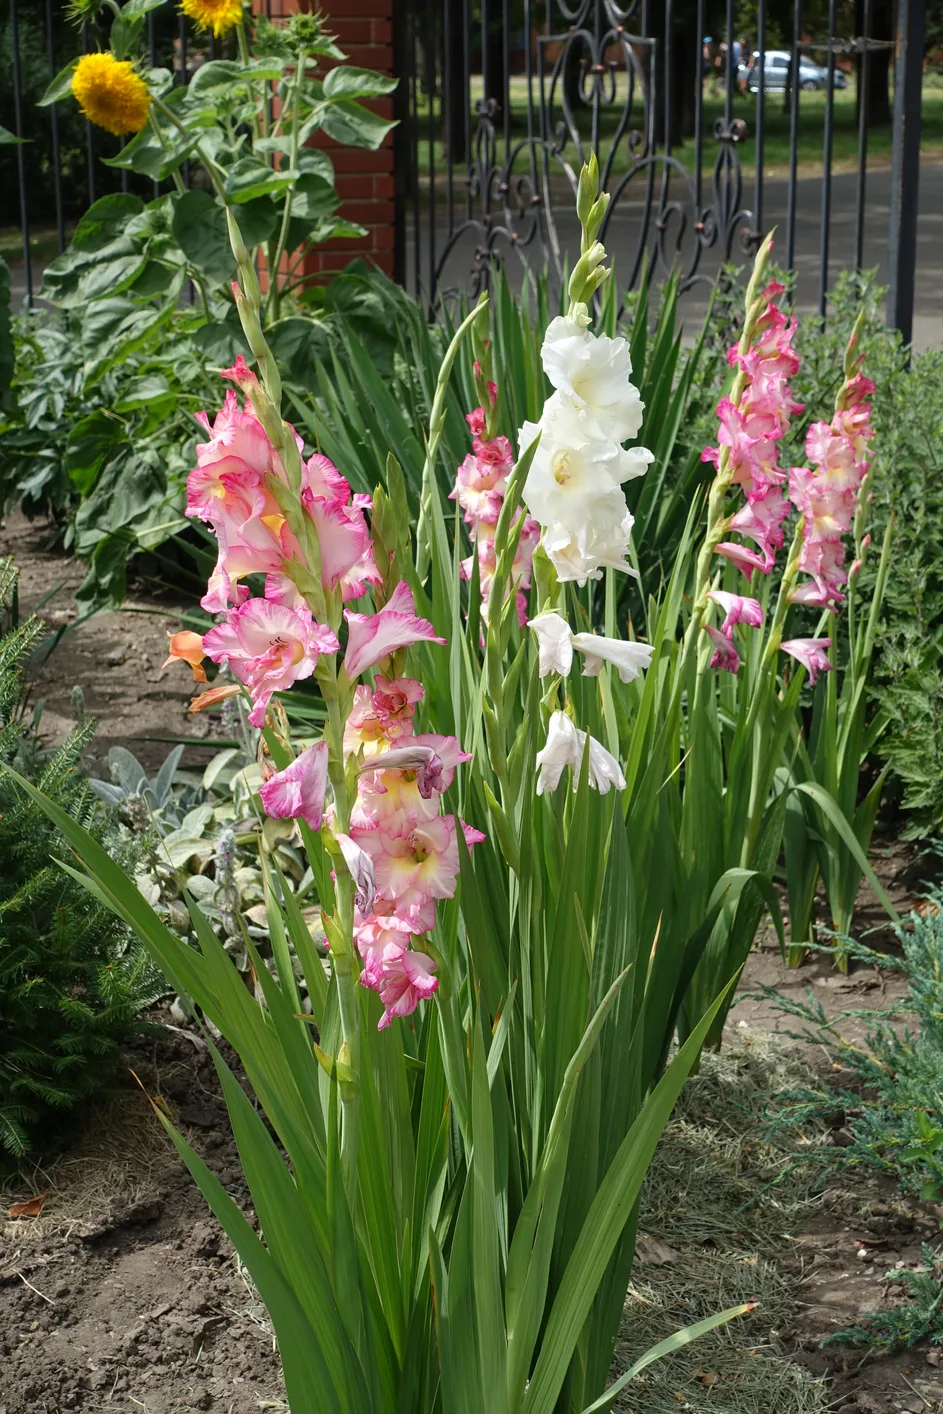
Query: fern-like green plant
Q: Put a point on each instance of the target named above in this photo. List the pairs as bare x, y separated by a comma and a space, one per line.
72, 980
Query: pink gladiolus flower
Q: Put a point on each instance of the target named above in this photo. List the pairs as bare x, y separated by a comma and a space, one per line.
343, 535
268, 647
476, 421
811, 653
373, 637
745, 560
382, 716
481, 481
737, 610
404, 982
279, 589
419, 865
761, 520
725, 655
297, 792
230, 467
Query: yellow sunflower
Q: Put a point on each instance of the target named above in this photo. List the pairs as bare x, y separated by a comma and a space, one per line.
218, 15
111, 94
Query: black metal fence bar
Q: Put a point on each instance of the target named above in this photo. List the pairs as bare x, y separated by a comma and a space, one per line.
20, 155
826, 222
54, 132
861, 184
905, 170
760, 144
794, 91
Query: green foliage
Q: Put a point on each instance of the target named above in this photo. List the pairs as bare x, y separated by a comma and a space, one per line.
72, 980
893, 1103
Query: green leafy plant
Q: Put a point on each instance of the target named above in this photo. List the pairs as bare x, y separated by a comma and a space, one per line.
892, 1104
73, 980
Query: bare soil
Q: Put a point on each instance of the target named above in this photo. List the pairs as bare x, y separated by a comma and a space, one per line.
115, 658
123, 1295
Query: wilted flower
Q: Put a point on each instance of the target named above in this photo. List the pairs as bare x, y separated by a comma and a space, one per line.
812, 653
564, 748
297, 792
725, 654
738, 609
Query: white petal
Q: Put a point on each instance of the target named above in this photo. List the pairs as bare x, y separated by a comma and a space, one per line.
630, 658
554, 644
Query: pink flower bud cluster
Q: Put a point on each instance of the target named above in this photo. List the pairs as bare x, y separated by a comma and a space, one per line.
480, 484
826, 495
750, 431
406, 851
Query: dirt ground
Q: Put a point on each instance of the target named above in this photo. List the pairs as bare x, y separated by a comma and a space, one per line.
114, 657
123, 1295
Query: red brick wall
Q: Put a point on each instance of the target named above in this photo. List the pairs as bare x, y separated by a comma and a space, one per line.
364, 30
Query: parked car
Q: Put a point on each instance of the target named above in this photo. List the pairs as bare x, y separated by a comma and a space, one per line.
776, 72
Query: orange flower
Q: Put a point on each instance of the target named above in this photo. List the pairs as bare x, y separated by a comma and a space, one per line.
214, 695
187, 648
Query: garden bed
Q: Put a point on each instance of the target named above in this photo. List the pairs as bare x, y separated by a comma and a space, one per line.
122, 1294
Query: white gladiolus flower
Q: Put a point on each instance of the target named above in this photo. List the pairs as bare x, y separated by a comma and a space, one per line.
593, 371
604, 769
584, 553
629, 658
554, 644
565, 747
573, 478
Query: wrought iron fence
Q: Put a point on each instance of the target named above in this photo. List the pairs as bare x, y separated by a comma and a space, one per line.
502, 102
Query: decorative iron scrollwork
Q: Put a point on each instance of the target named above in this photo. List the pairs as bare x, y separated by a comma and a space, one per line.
593, 85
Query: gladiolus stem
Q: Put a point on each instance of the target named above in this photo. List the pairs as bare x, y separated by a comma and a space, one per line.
275, 255
436, 428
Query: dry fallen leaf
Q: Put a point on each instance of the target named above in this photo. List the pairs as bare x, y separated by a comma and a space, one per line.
652, 1252
706, 1377
30, 1209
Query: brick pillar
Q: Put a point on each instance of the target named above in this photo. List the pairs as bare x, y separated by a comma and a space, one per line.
364, 30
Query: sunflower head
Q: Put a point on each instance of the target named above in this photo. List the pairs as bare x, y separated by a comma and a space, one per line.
111, 94
218, 15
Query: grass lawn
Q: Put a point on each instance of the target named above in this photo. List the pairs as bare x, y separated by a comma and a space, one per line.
776, 143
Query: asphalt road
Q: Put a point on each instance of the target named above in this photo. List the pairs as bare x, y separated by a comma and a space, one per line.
625, 226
